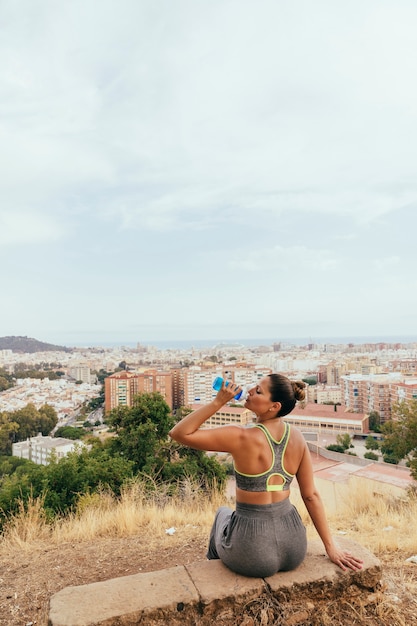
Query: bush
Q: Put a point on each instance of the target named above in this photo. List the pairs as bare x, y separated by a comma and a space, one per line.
333, 447
371, 456
388, 458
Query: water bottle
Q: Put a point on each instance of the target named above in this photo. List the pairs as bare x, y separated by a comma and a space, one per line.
217, 384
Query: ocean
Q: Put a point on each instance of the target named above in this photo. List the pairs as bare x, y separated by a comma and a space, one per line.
184, 344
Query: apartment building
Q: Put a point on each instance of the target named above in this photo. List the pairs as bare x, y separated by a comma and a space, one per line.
333, 373
323, 394
404, 392
39, 449
405, 366
82, 373
379, 393
178, 387
228, 415
121, 387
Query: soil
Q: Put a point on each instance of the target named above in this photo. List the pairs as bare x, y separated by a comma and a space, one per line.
28, 579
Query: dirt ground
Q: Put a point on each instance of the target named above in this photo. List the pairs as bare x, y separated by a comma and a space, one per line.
29, 578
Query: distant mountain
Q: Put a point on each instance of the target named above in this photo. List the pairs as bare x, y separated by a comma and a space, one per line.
29, 345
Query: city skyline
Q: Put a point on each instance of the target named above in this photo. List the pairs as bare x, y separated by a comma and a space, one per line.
211, 171
210, 343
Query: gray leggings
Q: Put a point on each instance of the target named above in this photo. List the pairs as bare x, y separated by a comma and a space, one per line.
258, 539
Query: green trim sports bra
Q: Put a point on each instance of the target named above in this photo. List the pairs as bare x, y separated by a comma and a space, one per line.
261, 482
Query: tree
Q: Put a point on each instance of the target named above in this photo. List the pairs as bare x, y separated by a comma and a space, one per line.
375, 421
142, 437
9, 464
62, 482
8, 430
81, 472
141, 428
6, 380
27, 418
24, 423
33, 421
4, 383
344, 441
371, 443
70, 432
187, 462
97, 402
400, 435
181, 412
18, 486
101, 375
47, 419
310, 380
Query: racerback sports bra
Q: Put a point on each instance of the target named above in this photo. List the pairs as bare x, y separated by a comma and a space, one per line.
260, 482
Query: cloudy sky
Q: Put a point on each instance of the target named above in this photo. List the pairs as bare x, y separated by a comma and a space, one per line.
182, 169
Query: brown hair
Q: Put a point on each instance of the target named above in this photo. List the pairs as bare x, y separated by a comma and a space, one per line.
285, 391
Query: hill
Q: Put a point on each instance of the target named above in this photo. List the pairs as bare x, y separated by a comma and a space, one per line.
29, 345
108, 539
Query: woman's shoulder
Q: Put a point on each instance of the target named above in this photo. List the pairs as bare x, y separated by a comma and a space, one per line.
296, 437
295, 431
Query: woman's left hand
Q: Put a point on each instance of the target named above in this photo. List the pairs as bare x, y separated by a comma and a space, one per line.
344, 559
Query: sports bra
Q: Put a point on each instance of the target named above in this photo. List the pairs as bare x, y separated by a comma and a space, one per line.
260, 482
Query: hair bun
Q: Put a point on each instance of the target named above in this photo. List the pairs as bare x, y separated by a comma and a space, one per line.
298, 388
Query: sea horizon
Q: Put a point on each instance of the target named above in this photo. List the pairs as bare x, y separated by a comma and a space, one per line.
183, 344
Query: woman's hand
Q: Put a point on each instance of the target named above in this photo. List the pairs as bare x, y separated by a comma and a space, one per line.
225, 394
344, 559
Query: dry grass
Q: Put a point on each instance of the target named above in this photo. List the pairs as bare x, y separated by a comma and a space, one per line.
100, 515
108, 537
382, 524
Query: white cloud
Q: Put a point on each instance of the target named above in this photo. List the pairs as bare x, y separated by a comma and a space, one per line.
200, 135
386, 263
279, 258
17, 228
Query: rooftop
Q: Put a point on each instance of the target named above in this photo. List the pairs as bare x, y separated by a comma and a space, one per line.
340, 471
327, 410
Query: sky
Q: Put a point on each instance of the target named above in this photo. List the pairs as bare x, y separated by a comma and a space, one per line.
222, 169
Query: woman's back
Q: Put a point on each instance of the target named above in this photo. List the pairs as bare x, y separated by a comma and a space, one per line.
255, 456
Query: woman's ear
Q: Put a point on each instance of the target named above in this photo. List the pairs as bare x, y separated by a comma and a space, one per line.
276, 407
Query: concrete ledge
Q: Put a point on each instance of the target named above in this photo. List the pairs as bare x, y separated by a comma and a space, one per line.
205, 591
320, 575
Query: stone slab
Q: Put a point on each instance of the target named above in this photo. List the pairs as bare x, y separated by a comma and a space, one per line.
217, 585
125, 600
206, 591
319, 571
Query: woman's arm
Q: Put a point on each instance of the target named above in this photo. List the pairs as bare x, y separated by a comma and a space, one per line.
315, 508
222, 439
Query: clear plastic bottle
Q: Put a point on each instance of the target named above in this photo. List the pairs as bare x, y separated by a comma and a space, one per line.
217, 384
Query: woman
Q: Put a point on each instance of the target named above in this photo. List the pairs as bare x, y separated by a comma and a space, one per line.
265, 534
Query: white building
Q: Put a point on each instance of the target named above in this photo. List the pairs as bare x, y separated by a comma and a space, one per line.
39, 449
82, 373
323, 394
227, 415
